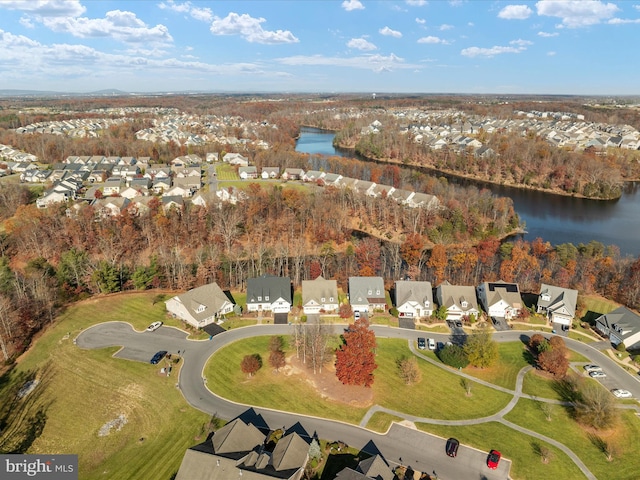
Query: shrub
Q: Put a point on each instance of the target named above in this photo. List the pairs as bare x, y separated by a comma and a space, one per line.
453, 355
408, 370
621, 348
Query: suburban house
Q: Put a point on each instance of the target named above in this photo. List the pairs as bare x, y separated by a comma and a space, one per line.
366, 294
459, 300
375, 467
557, 303
242, 450
413, 299
248, 172
621, 326
319, 295
200, 306
236, 159
269, 293
270, 172
500, 299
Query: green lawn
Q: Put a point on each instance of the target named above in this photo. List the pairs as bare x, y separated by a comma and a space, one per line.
625, 435
381, 421
519, 448
81, 390
540, 386
513, 358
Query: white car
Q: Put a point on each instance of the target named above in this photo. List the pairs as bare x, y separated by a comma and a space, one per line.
154, 326
618, 392
597, 374
592, 368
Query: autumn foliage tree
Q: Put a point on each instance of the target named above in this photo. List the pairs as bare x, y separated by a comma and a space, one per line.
251, 364
408, 370
551, 355
355, 359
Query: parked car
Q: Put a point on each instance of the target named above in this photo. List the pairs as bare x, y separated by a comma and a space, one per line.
422, 343
154, 326
158, 356
356, 314
592, 368
597, 374
618, 392
432, 343
493, 459
452, 447
458, 324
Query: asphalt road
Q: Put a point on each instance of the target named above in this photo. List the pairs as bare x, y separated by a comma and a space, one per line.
401, 445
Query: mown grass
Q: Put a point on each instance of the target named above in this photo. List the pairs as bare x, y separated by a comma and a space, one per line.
521, 449
513, 357
625, 435
381, 421
81, 390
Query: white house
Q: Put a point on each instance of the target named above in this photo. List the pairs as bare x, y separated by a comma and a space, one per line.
269, 293
413, 299
621, 326
319, 295
459, 300
500, 299
200, 306
559, 304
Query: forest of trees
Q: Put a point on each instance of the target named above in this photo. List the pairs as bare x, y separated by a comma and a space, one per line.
50, 257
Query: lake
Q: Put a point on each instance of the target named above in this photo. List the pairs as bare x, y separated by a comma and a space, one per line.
554, 218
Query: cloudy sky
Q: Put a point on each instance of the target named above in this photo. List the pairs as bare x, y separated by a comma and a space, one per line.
436, 46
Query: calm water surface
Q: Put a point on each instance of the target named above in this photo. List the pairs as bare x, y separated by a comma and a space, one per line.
553, 218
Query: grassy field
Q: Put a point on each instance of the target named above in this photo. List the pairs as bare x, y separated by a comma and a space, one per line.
80, 391
381, 421
513, 358
292, 393
594, 306
521, 449
625, 435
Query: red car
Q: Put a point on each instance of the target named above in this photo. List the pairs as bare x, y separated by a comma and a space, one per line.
493, 459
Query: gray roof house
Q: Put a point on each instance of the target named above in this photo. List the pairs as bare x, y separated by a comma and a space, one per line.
621, 326
366, 294
459, 300
559, 304
375, 467
319, 295
413, 299
200, 306
269, 293
500, 299
240, 450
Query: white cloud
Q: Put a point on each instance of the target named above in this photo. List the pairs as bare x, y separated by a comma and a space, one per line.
350, 5
390, 33
489, 52
416, 3
122, 26
202, 14
250, 29
361, 44
375, 62
46, 8
547, 34
515, 12
444, 27
433, 40
623, 21
577, 13
421, 21
26, 22
520, 42
551, 54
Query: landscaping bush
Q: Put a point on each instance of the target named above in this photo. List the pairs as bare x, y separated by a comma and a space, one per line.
453, 355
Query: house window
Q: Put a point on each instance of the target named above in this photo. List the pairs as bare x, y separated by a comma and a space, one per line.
370, 292
322, 299
427, 303
464, 304
266, 298
331, 299
259, 298
377, 292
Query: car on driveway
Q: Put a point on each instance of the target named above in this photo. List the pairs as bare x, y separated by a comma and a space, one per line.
458, 324
422, 343
158, 356
618, 392
452, 447
432, 343
592, 368
493, 459
356, 315
597, 374
154, 326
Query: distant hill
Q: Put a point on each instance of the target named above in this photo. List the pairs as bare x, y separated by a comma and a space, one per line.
46, 93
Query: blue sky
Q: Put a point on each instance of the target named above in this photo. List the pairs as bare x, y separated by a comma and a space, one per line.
585, 47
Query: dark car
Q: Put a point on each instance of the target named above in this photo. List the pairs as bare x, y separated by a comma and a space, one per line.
422, 343
458, 324
452, 447
158, 356
493, 459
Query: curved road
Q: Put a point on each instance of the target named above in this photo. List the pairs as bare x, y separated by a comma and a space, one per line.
421, 451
